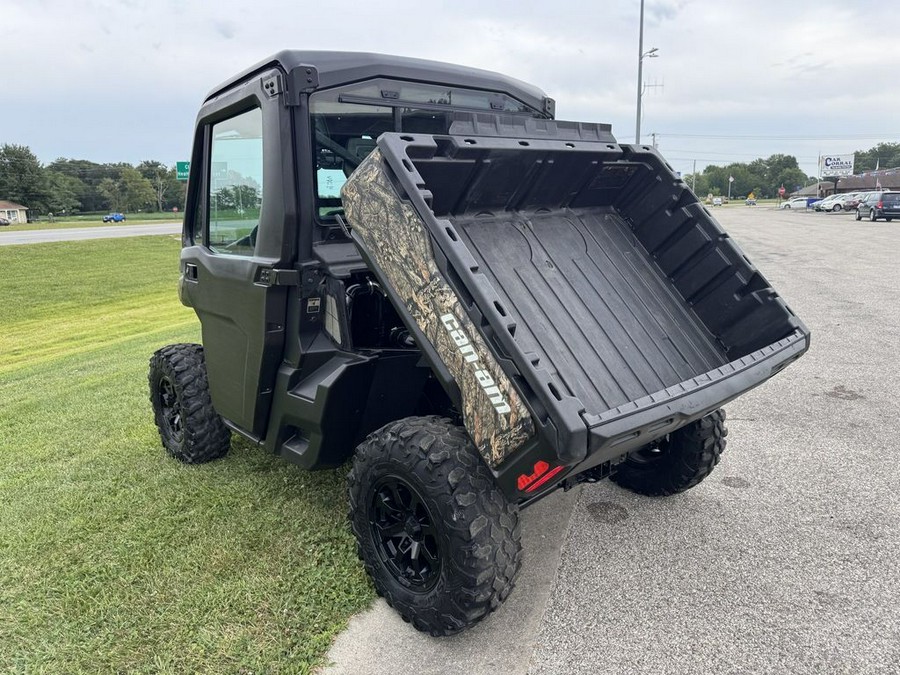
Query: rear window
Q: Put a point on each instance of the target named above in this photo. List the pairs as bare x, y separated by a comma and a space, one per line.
892, 198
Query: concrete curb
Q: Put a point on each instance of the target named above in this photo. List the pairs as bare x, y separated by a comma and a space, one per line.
378, 641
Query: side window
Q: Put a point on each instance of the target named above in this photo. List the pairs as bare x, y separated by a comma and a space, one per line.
235, 184
345, 134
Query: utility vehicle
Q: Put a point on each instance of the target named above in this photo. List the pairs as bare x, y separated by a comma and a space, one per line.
413, 265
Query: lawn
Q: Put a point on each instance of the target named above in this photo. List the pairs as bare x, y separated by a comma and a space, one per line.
113, 557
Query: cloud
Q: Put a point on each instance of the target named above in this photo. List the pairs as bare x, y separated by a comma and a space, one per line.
122, 80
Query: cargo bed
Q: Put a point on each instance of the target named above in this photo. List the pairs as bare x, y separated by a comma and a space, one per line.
602, 292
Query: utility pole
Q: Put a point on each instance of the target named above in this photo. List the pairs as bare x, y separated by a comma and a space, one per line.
640, 83
640, 88
654, 135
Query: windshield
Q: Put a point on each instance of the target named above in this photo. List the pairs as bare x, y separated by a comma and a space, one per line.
347, 121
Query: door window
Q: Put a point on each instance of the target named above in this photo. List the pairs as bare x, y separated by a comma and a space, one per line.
236, 184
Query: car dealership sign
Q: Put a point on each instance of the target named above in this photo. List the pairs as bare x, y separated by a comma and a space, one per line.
836, 165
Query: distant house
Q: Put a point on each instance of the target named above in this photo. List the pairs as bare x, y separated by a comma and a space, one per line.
14, 213
884, 179
820, 189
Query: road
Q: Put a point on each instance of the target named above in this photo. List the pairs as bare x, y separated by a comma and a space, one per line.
783, 561
81, 233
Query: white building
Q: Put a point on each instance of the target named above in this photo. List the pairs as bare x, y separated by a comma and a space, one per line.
14, 213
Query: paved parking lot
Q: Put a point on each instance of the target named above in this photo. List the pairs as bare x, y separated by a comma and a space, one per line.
784, 561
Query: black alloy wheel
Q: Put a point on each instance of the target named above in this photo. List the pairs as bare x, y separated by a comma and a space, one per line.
170, 410
439, 539
189, 427
404, 533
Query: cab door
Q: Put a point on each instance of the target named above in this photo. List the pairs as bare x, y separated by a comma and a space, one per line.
237, 260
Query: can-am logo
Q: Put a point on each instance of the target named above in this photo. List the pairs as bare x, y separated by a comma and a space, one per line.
471, 356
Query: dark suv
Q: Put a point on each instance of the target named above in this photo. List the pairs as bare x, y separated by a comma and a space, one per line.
879, 205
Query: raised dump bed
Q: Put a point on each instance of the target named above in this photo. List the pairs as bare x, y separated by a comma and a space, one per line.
605, 304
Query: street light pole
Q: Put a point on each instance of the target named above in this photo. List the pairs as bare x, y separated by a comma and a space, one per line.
640, 82
640, 86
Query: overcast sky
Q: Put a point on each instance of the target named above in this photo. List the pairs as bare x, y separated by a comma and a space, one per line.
121, 80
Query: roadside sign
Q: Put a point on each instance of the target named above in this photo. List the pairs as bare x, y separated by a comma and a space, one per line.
781, 191
182, 169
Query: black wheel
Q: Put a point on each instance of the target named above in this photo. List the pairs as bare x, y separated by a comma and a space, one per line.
190, 428
858, 215
787, 206
872, 216
678, 461
889, 219
439, 540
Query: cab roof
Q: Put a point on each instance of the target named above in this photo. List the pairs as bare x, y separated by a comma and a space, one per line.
337, 68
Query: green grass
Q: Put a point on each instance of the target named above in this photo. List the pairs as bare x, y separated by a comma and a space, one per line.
113, 557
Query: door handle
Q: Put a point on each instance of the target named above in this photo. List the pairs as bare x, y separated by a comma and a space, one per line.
190, 271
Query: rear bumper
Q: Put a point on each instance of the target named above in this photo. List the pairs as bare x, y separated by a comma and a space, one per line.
619, 431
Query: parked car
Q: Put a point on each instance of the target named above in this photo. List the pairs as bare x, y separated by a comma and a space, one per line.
879, 205
717, 201
794, 203
4, 221
850, 200
831, 203
114, 218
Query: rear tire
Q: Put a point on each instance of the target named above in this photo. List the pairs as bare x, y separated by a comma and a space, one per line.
678, 462
439, 540
836, 208
872, 216
189, 427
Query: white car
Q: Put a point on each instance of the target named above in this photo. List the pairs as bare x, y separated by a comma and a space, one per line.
717, 201
832, 203
794, 203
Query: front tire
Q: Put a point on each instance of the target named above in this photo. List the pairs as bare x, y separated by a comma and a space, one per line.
858, 215
439, 540
836, 208
189, 427
678, 462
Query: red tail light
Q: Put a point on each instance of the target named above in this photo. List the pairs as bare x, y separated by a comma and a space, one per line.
540, 468
542, 474
879, 205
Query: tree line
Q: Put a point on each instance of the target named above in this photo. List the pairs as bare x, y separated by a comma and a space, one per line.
71, 186
763, 177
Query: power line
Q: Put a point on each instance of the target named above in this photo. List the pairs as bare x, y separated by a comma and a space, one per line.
731, 137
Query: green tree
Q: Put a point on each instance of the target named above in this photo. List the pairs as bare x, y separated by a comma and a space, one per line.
111, 191
129, 191
883, 155
64, 192
22, 178
168, 190
90, 174
138, 191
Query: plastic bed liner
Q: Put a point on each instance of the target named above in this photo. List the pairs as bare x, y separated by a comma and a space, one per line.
609, 298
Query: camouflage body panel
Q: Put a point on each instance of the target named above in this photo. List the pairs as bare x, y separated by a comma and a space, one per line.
397, 241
